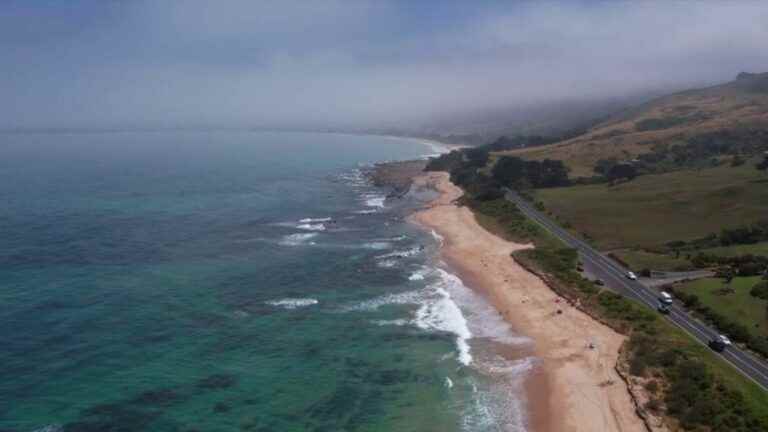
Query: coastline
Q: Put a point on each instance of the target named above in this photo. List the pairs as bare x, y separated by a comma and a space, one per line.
572, 387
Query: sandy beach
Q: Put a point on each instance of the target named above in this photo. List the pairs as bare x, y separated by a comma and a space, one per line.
574, 387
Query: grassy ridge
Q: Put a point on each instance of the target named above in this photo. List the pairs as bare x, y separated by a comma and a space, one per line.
695, 389
668, 120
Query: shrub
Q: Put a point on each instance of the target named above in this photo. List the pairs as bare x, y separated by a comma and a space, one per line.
760, 290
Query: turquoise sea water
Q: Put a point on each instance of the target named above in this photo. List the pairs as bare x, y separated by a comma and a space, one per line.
233, 281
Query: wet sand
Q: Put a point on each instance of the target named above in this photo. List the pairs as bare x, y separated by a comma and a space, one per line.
574, 387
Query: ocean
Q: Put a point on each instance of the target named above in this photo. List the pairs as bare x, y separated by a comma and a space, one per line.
234, 281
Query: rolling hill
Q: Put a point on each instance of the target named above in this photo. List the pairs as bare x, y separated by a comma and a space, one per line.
669, 120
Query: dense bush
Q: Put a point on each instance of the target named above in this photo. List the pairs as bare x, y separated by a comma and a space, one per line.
701, 150
747, 234
743, 265
445, 162
659, 123
760, 290
518, 173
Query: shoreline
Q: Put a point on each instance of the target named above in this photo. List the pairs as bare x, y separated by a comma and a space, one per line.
572, 387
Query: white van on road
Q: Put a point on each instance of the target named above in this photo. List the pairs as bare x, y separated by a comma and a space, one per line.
665, 298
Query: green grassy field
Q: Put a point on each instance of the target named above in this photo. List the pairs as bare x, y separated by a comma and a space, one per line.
640, 259
740, 306
736, 250
652, 210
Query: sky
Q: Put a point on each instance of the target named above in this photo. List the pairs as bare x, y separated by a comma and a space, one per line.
335, 63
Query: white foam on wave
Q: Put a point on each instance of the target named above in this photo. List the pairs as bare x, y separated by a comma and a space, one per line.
50, 428
407, 297
401, 253
355, 178
397, 238
311, 226
377, 245
436, 312
498, 404
440, 240
443, 314
298, 239
374, 200
292, 303
365, 212
418, 275
387, 263
313, 220
395, 322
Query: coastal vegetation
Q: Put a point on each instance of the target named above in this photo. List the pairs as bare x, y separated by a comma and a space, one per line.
693, 389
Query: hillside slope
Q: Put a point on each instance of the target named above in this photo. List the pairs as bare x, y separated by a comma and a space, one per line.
739, 104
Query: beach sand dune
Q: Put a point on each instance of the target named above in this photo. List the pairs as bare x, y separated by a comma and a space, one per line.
575, 386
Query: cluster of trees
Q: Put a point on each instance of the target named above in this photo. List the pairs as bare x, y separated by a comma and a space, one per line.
745, 234
698, 151
523, 141
466, 169
614, 171
702, 148
748, 234
763, 165
518, 173
742, 265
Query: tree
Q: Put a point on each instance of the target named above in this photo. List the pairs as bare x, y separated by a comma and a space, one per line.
622, 171
509, 170
763, 166
603, 166
476, 157
554, 173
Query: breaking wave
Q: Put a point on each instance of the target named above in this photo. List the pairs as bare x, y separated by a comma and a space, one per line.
313, 220
311, 227
298, 239
374, 200
436, 312
402, 253
292, 303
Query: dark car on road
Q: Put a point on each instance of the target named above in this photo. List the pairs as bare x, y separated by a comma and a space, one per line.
719, 343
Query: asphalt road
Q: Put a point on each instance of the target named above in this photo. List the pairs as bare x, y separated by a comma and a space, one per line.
615, 278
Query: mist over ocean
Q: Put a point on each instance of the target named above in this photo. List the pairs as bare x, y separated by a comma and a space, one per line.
233, 281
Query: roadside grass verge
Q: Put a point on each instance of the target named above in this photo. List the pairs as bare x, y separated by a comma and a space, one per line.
652, 210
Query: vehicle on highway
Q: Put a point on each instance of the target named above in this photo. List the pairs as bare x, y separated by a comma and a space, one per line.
631, 276
599, 282
665, 298
720, 343
661, 307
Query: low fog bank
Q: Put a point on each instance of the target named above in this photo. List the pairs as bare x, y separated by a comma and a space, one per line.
353, 65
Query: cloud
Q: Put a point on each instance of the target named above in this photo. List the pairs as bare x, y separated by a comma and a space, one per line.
354, 63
